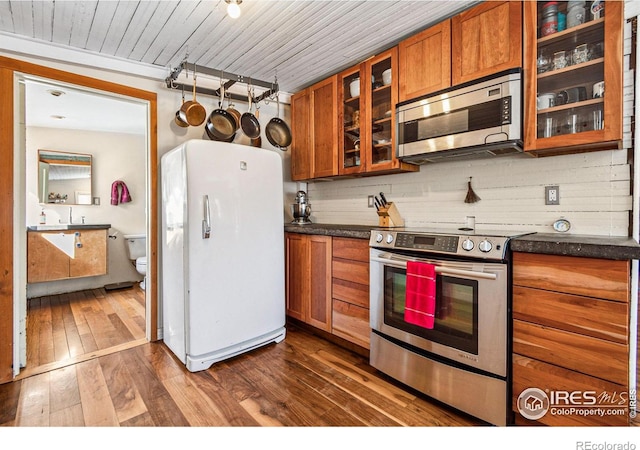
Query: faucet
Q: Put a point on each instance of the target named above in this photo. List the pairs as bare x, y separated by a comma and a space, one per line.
70, 215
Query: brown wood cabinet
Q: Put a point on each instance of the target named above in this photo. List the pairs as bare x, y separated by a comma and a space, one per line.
570, 331
424, 62
314, 131
480, 41
368, 95
327, 284
486, 39
561, 70
308, 279
350, 288
46, 262
301, 150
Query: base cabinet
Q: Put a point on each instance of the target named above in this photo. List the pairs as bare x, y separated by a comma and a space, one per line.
350, 290
308, 287
571, 339
327, 284
46, 261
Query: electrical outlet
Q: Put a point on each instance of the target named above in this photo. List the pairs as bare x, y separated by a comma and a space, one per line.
552, 195
370, 201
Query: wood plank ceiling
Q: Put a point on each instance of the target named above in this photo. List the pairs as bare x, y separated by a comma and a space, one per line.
299, 41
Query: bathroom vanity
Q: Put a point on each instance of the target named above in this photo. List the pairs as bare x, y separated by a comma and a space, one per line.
59, 252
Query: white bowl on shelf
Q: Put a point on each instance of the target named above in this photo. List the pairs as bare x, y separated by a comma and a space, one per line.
386, 77
354, 87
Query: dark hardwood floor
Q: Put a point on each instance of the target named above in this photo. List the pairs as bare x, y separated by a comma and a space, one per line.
108, 375
67, 328
302, 381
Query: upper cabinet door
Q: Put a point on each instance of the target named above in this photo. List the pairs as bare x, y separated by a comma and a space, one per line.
300, 136
566, 71
486, 39
324, 113
424, 62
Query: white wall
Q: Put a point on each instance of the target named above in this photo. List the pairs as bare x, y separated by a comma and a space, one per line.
116, 156
594, 194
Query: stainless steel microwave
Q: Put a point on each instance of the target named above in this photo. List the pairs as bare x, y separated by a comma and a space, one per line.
479, 118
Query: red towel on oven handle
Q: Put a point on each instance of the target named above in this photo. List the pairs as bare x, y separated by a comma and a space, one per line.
420, 294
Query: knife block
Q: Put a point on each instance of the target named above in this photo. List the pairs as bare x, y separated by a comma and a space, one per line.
388, 216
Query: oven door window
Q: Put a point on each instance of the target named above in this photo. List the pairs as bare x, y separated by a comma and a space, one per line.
456, 321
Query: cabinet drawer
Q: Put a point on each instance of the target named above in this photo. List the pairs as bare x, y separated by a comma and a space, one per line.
351, 322
347, 248
592, 277
598, 318
355, 271
529, 373
354, 293
588, 355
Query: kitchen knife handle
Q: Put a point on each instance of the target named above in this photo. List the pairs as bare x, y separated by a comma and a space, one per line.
384, 200
206, 222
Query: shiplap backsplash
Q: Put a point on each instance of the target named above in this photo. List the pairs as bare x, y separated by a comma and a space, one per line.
594, 194
595, 188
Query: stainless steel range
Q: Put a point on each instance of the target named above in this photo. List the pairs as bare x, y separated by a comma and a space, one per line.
462, 356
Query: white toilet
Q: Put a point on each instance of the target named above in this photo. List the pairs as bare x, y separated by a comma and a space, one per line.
137, 250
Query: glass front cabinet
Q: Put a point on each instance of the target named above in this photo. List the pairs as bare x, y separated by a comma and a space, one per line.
573, 52
368, 94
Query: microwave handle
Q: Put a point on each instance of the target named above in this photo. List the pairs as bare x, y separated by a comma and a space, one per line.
400, 261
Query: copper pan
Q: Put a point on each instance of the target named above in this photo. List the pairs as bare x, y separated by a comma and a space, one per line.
193, 112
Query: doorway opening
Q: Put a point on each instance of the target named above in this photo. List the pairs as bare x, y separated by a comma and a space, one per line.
124, 154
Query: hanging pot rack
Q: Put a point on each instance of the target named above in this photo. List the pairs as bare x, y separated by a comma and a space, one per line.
272, 88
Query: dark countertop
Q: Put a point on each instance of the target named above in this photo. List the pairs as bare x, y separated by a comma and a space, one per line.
338, 230
620, 248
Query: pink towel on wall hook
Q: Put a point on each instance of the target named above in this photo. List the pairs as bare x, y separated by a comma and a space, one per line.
119, 193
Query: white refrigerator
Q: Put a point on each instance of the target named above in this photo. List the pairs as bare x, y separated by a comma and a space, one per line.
222, 272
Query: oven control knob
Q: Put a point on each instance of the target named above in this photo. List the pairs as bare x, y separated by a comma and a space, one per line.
389, 238
379, 237
485, 246
467, 244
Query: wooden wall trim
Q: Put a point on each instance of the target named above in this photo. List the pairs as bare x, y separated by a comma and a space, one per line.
6, 225
7, 68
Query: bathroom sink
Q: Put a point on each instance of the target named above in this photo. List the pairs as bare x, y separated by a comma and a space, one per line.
69, 226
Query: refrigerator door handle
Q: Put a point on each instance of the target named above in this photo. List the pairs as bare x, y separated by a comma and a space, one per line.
206, 222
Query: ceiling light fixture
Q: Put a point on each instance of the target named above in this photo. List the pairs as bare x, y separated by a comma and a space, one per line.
233, 8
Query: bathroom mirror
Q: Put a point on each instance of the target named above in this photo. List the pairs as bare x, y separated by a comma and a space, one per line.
64, 177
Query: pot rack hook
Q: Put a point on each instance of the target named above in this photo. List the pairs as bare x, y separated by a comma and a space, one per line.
221, 90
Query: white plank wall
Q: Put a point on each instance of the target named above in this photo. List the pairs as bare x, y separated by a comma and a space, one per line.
595, 194
595, 188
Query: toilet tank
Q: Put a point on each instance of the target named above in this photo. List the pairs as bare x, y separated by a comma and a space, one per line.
136, 245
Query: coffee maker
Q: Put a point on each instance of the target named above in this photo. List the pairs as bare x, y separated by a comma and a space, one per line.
301, 209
